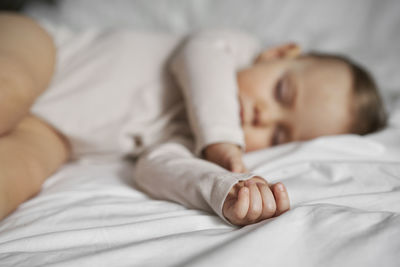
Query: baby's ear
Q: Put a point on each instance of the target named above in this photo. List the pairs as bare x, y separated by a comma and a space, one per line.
285, 51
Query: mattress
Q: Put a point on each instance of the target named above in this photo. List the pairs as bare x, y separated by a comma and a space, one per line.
344, 190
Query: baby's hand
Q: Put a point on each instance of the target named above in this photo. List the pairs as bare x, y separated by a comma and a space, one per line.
228, 156
254, 200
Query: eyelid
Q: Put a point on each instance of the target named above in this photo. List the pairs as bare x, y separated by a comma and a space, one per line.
279, 130
277, 86
280, 89
293, 88
275, 136
285, 86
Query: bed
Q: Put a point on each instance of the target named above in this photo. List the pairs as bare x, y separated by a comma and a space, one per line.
344, 190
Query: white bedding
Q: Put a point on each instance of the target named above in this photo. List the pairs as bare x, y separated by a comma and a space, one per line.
344, 190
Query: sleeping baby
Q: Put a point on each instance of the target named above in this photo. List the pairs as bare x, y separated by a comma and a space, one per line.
187, 108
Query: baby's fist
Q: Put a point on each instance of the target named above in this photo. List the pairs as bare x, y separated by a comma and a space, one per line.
254, 200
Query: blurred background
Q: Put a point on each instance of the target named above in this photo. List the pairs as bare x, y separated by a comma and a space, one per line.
366, 30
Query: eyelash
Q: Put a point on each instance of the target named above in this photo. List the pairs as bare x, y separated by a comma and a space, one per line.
282, 92
275, 137
274, 140
278, 90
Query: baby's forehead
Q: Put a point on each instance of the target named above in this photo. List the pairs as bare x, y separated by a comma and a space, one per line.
323, 73
330, 63
324, 95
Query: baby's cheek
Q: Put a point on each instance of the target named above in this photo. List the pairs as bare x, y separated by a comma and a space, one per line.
255, 139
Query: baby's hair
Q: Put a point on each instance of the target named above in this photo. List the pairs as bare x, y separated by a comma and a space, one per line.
369, 113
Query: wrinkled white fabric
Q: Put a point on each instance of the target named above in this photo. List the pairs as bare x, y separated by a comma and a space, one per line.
111, 88
120, 106
120, 85
172, 172
345, 211
344, 190
206, 68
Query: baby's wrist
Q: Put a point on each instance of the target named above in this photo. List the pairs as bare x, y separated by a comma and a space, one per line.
216, 147
221, 145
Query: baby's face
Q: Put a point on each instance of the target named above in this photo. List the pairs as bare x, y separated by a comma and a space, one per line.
284, 100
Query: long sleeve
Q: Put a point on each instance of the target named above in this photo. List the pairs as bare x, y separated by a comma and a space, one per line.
205, 68
170, 171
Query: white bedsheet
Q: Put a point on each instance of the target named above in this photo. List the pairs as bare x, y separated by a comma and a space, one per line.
345, 212
344, 190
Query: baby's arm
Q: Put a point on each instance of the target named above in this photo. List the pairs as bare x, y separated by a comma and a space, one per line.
170, 171
205, 68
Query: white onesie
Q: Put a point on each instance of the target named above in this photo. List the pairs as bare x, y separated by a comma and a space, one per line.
158, 96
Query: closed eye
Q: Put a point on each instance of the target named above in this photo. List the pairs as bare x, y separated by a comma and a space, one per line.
283, 91
278, 90
279, 136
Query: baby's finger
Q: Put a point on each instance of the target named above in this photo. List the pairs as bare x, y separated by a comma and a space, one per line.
281, 198
268, 200
255, 206
241, 207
